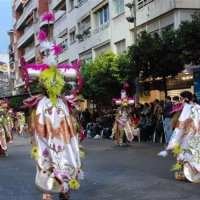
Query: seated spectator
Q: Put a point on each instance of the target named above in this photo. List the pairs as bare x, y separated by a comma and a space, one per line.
139, 125
98, 126
135, 120
146, 132
146, 109
107, 130
89, 131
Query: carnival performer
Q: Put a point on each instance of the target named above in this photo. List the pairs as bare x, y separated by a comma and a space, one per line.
21, 123
185, 138
9, 124
122, 130
3, 133
51, 123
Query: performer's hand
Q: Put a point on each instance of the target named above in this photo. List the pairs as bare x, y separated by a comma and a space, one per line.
163, 153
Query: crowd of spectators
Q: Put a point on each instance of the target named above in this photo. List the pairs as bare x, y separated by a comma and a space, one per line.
151, 119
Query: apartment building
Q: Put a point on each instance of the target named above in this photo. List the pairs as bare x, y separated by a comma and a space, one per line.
27, 16
4, 75
85, 28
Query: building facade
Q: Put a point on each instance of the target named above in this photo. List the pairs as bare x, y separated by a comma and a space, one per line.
85, 28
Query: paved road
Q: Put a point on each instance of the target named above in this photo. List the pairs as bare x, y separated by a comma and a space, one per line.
111, 173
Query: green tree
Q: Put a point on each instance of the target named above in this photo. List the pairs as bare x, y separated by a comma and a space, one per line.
105, 76
156, 56
189, 39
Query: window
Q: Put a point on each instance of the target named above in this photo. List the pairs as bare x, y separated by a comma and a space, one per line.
84, 24
64, 42
72, 37
86, 56
102, 49
118, 7
169, 27
120, 47
102, 15
142, 3
71, 4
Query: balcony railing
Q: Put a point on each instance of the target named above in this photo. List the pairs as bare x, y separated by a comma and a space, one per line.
81, 3
100, 28
61, 19
17, 4
26, 12
29, 31
29, 53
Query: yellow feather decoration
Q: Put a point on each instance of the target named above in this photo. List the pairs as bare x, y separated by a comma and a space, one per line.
82, 154
177, 149
34, 152
53, 82
177, 166
74, 184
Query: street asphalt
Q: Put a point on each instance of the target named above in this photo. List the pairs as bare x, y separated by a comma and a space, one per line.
111, 173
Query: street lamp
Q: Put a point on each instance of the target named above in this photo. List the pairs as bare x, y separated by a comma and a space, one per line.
132, 19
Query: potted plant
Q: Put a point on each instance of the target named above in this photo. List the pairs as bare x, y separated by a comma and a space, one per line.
79, 36
86, 32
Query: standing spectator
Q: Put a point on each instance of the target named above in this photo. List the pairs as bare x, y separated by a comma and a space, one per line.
109, 120
87, 115
194, 98
146, 132
139, 108
151, 107
156, 105
146, 109
95, 115
167, 117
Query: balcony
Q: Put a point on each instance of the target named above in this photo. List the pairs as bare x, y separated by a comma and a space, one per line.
98, 37
27, 10
18, 5
44, 22
29, 53
101, 28
60, 25
18, 83
28, 35
56, 4
81, 3
63, 56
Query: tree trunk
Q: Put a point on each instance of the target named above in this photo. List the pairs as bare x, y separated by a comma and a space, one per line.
165, 85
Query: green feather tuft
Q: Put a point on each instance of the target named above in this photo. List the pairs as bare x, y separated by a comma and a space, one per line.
53, 82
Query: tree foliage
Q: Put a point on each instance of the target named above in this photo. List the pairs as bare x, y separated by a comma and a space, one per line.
189, 39
105, 76
156, 55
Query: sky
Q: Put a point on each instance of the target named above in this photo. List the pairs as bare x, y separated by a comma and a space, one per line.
5, 24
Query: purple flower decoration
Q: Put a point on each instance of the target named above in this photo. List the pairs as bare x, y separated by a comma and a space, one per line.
59, 148
42, 36
45, 153
50, 112
48, 17
73, 91
57, 49
54, 146
126, 85
58, 111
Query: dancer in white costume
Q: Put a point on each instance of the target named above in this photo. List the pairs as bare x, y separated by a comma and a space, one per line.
122, 130
51, 123
185, 140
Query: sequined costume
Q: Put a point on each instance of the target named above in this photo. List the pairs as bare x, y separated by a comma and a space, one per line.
122, 130
185, 141
51, 122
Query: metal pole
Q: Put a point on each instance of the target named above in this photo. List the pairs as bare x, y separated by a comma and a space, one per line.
135, 42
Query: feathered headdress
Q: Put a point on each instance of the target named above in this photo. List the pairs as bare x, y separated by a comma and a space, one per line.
124, 100
51, 75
